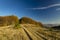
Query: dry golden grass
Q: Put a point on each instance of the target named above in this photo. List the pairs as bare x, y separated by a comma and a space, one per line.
28, 32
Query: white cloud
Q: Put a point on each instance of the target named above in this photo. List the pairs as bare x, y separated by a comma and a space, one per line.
49, 6
58, 9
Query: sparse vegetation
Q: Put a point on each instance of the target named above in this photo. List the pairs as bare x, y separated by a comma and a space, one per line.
17, 25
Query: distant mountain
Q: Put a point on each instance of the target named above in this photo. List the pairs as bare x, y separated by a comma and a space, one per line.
26, 20
51, 25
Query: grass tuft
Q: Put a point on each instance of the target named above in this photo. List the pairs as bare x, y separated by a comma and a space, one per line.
17, 25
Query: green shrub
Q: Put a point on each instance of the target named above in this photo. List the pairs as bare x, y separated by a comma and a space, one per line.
51, 29
17, 25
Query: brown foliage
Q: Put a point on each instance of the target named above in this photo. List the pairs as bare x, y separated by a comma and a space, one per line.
26, 20
8, 20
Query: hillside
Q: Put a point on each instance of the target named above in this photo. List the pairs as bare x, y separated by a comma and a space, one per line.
26, 20
8, 20
25, 29
28, 32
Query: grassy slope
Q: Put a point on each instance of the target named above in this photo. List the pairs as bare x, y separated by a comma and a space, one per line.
28, 32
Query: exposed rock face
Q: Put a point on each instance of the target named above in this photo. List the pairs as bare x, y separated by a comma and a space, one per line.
8, 20
26, 20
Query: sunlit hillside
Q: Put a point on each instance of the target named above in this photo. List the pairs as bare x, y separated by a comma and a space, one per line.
8, 20
28, 31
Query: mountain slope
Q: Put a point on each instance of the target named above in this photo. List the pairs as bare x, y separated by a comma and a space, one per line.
28, 32
28, 29
26, 20
8, 20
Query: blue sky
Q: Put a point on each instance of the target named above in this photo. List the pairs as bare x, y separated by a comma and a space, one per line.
45, 11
